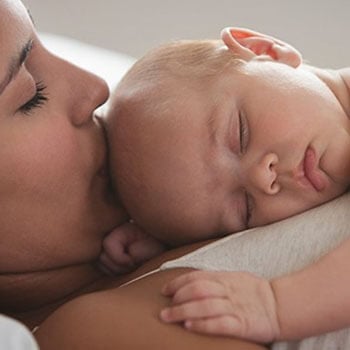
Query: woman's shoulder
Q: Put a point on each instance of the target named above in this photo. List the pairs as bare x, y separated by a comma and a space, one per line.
125, 318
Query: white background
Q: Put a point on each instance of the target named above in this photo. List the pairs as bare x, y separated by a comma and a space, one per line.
320, 29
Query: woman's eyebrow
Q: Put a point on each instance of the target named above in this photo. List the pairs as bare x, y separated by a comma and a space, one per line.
15, 64
30, 16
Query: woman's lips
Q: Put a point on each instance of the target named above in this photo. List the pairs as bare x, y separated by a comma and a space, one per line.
311, 171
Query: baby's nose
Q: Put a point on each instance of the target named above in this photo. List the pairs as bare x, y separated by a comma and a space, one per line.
263, 175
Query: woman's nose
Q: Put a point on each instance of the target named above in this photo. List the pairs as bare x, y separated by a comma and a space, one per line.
263, 176
90, 92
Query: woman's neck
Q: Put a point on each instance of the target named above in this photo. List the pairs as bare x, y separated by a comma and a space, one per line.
31, 297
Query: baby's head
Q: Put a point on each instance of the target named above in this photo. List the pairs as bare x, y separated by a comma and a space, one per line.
212, 137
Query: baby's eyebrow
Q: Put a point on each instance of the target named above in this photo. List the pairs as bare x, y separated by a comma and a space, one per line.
15, 64
214, 124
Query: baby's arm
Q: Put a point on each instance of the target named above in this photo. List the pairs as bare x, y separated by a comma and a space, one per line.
312, 301
236, 304
126, 247
316, 299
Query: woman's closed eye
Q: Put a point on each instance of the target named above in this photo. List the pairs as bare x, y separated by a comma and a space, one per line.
37, 101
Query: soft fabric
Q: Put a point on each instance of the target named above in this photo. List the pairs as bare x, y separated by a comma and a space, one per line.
280, 248
339, 340
15, 336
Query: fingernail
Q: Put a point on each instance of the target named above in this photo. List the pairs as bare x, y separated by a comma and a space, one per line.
164, 315
188, 324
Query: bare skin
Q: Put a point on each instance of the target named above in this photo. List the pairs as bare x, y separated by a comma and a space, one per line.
56, 205
47, 271
112, 315
145, 296
56, 202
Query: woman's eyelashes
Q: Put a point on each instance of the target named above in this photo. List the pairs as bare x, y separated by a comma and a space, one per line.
243, 132
37, 101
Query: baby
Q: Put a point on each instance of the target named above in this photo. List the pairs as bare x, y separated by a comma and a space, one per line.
209, 138
213, 137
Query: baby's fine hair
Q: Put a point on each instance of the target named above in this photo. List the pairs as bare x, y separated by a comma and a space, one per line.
150, 87
185, 60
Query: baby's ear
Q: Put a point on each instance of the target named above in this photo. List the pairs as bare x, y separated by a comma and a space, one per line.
253, 45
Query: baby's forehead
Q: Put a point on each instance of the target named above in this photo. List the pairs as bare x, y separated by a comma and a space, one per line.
151, 102
164, 100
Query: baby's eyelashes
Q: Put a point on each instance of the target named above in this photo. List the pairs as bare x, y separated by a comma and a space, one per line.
249, 208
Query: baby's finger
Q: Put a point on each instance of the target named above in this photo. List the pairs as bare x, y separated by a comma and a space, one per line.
116, 252
198, 289
226, 325
195, 309
144, 249
101, 264
171, 287
110, 267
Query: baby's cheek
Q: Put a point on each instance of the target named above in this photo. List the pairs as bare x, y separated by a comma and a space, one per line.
335, 160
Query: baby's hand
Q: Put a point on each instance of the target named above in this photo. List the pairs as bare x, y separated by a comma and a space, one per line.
126, 247
235, 304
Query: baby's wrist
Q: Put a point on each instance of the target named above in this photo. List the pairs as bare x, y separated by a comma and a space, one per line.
289, 311
278, 330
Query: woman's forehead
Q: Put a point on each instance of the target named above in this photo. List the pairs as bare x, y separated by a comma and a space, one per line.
10, 8
15, 30
14, 17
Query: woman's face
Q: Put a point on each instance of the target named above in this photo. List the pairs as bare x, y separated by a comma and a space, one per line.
54, 194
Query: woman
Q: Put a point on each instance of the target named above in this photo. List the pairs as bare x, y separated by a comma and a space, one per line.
56, 204
55, 201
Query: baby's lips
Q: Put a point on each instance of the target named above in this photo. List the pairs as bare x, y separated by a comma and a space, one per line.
312, 171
